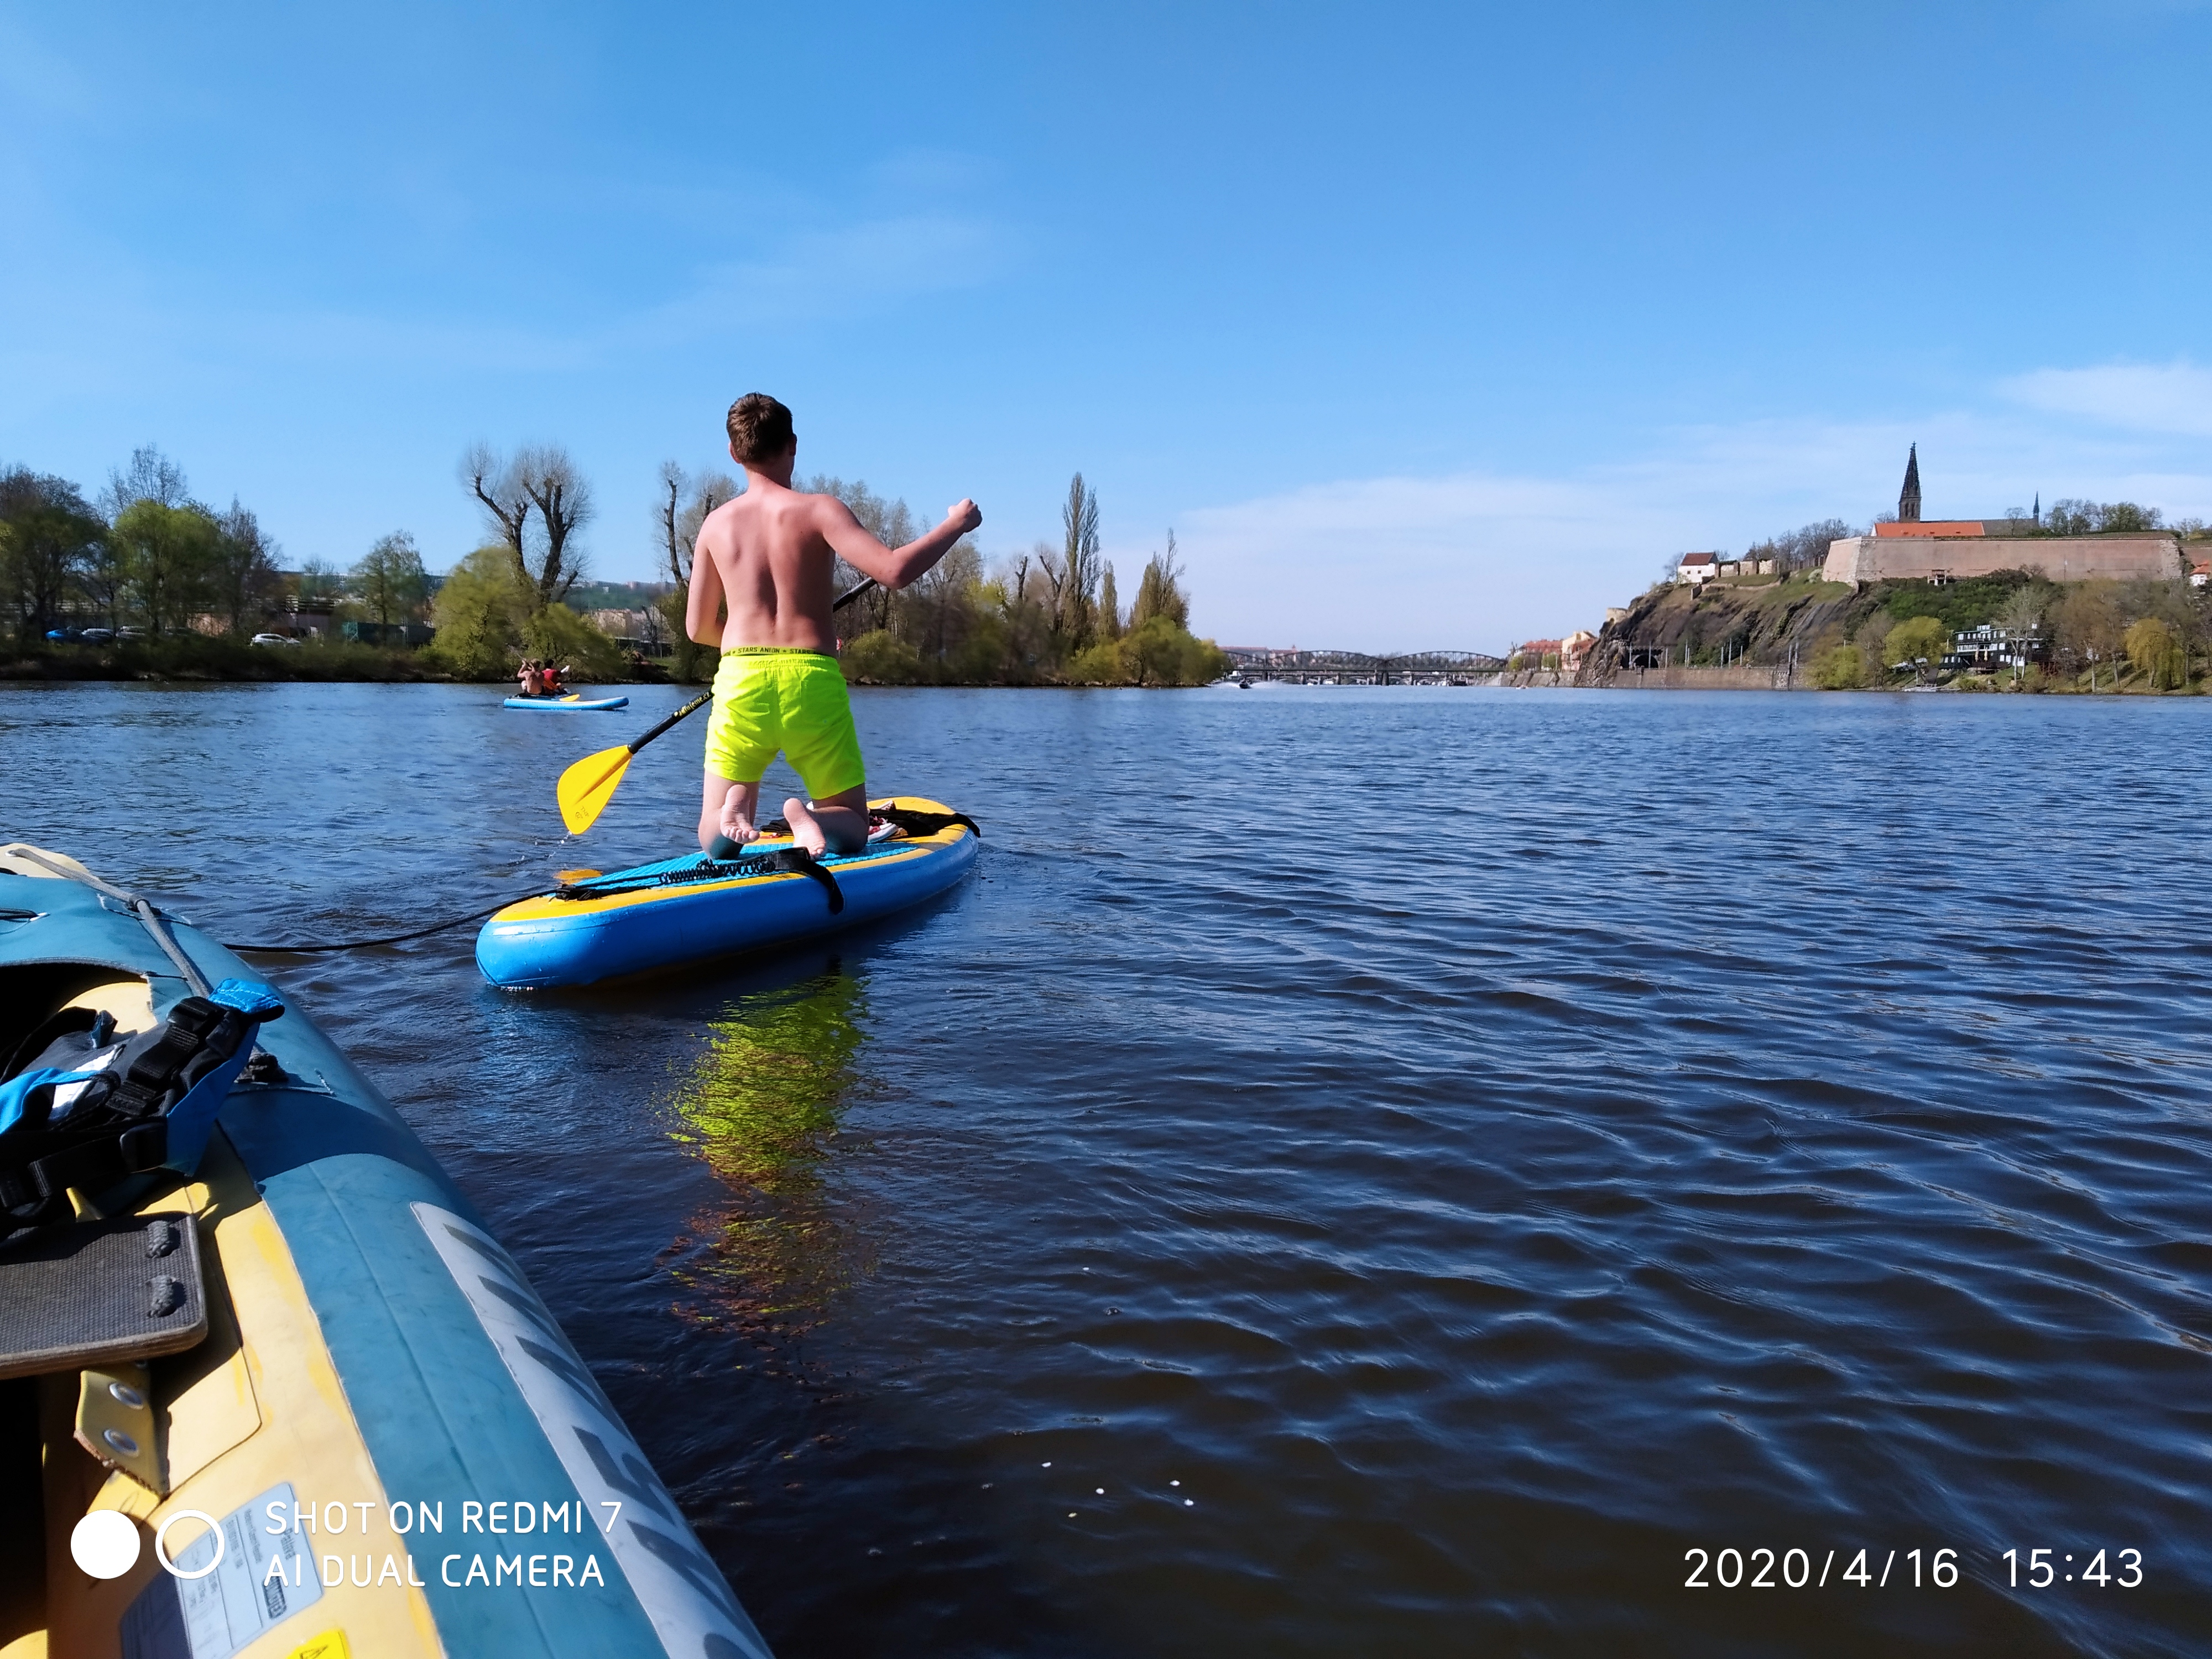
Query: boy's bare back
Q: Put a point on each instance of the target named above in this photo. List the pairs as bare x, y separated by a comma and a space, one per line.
767, 558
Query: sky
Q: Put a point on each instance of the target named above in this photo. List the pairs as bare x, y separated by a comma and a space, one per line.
1419, 327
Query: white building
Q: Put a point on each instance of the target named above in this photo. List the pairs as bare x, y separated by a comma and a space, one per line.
1698, 568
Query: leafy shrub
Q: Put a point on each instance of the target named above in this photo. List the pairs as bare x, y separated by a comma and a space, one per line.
1839, 668
486, 626
1100, 664
1916, 637
877, 658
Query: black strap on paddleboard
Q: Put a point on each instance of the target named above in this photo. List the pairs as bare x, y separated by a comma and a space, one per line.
793, 862
797, 861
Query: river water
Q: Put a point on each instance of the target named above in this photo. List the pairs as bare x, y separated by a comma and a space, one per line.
1355, 1171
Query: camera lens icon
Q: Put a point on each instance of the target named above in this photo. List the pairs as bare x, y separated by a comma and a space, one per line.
105, 1543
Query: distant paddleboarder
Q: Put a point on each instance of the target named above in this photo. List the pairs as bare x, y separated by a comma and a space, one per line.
767, 558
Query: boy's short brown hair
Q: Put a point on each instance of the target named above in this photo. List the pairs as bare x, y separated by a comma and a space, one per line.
760, 428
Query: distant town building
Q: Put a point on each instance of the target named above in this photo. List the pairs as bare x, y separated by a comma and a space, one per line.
1992, 646
2200, 572
1947, 550
1698, 568
1574, 647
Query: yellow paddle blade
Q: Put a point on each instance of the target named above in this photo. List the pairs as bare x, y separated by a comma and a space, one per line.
586, 787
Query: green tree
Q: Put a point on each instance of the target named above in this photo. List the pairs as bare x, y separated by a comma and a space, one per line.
389, 580
1160, 591
2088, 626
1919, 641
169, 556
48, 538
479, 614
2155, 650
1080, 562
1110, 605
320, 579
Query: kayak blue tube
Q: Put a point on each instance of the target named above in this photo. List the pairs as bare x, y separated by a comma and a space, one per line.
454, 1377
556, 940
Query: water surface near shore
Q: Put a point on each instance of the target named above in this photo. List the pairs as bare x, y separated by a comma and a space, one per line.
1356, 1170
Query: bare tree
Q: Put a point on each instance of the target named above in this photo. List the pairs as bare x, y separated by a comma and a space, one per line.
245, 573
1160, 591
151, 476
680, 522
557, 488
685, 502
541, 477
491, 479
675, 550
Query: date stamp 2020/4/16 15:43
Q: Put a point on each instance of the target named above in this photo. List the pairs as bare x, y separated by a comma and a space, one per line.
1874, 1568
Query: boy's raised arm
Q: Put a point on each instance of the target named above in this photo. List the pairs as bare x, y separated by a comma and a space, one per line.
893, 568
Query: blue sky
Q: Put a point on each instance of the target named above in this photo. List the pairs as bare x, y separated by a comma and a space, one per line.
1420, 326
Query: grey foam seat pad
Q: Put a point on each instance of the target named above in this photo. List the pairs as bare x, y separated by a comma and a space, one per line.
94, 1291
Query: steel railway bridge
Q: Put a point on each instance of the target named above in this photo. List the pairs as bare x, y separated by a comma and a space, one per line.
1358, 668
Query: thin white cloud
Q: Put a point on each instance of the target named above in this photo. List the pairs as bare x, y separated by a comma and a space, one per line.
2173, 398
835, 273
1480, 560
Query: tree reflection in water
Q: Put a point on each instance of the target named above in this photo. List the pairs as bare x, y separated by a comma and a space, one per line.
762, 1108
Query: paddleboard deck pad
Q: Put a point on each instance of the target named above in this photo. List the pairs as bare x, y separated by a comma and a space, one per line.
571, 705
694, 907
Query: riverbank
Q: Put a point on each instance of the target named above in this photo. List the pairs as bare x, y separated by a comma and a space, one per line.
198, 658
215, 659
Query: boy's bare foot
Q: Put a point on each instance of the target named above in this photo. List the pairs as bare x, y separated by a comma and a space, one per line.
737, 819
806, 829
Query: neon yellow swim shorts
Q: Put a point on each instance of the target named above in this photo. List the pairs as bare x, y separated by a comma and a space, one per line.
769, 697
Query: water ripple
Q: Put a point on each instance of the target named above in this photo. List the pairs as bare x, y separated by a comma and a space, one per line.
1355, 1171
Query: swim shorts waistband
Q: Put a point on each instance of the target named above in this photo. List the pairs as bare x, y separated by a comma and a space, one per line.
775, 650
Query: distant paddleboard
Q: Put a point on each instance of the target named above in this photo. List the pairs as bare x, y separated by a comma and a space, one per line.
573, 704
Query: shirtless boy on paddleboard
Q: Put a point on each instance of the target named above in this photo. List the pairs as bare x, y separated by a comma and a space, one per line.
766, 556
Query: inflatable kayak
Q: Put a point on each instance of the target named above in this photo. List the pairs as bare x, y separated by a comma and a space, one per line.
272, 1383
575, 703
694, 907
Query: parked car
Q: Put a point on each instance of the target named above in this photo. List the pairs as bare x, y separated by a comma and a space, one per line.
62, 635
98, 636
130, 633
272, 639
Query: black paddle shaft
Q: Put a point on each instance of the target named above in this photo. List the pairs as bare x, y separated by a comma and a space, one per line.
691, 707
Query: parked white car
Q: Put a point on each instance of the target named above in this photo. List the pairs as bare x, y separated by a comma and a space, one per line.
272, 639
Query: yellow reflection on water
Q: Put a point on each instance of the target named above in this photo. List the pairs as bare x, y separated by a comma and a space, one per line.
762, 1108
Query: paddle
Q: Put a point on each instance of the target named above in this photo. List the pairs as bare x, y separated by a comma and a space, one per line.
586, 787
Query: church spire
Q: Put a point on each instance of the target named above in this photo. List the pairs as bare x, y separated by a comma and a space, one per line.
1908, 499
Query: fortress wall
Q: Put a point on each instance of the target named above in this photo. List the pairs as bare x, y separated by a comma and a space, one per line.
2061, 558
